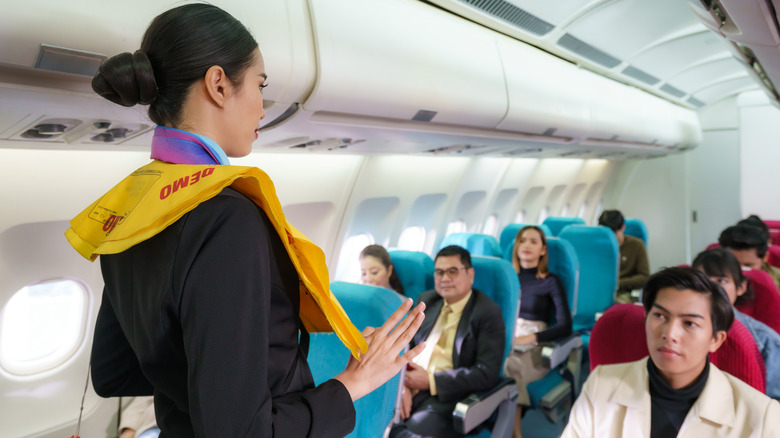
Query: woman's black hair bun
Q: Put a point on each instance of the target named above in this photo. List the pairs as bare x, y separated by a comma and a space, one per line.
126, 79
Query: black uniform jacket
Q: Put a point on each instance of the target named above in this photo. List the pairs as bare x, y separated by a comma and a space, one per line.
478, 350
204, 316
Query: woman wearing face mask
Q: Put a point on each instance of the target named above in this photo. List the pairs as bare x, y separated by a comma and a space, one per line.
724, 269
376, 269
541, 297
675, 391
209, 293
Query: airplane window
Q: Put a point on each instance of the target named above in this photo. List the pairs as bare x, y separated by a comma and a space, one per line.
543, 214
583, 207
349, 265
597, 213
565, 210
412, 239
520, 218
42, 326
491, 225
458, 226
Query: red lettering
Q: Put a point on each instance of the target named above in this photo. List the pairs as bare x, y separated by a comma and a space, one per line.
195, 178
181, 183
165, 192
206, 172
111, 223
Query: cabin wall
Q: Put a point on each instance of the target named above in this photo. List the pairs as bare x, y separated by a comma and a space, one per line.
759, 155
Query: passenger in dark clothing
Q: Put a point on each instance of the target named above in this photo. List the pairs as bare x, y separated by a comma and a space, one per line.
542, 301
206, 297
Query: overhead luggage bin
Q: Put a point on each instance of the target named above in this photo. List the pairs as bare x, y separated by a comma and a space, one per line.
405, 60
80, 35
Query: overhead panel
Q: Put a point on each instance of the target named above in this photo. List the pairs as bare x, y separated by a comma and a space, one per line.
706, 74
671, 57
724, 89
409, 56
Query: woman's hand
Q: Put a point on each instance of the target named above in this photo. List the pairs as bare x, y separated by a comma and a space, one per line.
525, 340
382, 360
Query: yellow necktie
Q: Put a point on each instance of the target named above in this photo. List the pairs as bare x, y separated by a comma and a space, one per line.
424, 358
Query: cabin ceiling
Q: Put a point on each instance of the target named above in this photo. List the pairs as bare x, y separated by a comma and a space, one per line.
661, 46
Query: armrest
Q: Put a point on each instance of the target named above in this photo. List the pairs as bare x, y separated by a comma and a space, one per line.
478, 407
557, 352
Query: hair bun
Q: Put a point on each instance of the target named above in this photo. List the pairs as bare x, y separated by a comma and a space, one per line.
126, 79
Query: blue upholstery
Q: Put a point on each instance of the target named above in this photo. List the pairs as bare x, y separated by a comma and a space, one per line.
366, 306
558, 223
415, 270
477, 244
498, 280
562, 261
599, 258
636, 228
507, 239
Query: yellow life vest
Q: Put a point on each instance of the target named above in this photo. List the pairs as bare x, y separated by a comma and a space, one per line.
158, 194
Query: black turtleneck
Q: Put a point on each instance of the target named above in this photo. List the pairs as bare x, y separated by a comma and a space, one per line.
539, 297
669, 406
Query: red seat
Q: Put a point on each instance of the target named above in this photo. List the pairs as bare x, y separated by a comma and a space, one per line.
765, 306
774, 255
774, 230
713, 246
619, 336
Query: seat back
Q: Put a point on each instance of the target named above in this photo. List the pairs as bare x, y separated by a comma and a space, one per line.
366, 306
415, 270
713, 246
619, 337
765, 306
497, 279
508, 235
636, 228
477, 244
562, 261
774, 255
599, 259
556, 224
774, 230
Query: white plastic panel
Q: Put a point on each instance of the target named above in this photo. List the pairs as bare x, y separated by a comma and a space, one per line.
702, 75
666, 59
394, 58
280, 28
544, 92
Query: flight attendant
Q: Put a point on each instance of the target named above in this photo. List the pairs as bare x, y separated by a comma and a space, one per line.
208, 289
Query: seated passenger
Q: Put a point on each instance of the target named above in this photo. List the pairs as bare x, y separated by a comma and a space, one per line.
376, 268
749, 244
443, 374
757, 222
541, 296
138, 419
634, 267
676, 391
723, 268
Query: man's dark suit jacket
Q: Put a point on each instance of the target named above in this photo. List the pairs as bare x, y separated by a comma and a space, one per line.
478, 350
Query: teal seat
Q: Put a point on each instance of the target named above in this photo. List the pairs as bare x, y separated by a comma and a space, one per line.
599, 258
497, 279
415, 270
366, 306
636, 228
558, 223
477, 244
508, 235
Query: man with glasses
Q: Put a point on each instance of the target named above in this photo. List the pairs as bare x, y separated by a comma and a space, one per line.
464, 339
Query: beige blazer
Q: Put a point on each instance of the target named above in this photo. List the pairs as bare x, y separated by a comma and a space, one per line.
615, 402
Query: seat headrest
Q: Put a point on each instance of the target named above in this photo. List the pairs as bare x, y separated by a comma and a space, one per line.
415, 270
636, 228
476, 244
556, 224
497, 279
562, 261
366, 305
